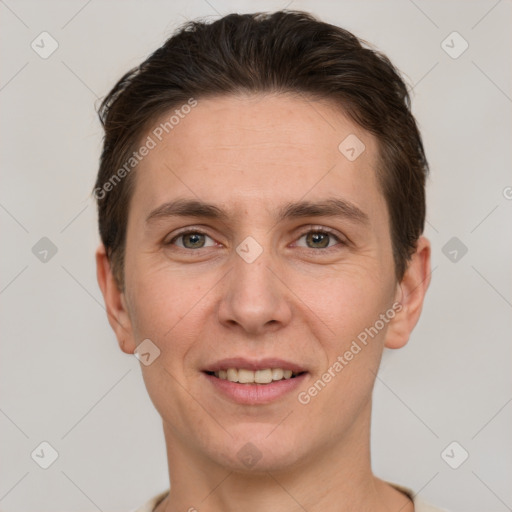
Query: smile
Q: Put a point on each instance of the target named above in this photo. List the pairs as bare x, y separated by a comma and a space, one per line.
244, 376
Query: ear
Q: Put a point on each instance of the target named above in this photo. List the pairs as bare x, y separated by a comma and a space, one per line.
410, 294
115, 302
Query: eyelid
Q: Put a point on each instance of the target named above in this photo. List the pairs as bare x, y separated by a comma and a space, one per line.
319, 227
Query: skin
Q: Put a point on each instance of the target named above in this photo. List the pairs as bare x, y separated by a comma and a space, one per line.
298, 301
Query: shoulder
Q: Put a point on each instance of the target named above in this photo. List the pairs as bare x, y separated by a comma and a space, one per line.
422, 506
150, 505
419, 504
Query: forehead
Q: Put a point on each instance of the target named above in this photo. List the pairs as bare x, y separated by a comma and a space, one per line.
258, 150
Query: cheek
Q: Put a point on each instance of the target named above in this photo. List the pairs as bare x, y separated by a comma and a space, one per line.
351, 298
169, 309
357, 310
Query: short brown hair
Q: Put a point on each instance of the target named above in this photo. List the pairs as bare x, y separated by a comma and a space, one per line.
281, 52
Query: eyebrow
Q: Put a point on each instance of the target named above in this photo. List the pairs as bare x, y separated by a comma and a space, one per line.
331, 207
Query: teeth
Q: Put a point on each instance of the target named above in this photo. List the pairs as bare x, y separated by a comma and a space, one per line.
232, 375
250, 377
245, 376
263, 376
277, 374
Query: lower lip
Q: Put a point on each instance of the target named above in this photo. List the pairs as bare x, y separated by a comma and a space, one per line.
254, 394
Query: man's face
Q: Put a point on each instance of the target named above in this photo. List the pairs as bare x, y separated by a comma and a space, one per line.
262, 289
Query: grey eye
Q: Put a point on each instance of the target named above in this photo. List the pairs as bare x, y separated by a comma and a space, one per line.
192, 240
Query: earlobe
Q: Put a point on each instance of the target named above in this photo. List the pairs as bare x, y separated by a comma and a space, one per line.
410, 294
115, 302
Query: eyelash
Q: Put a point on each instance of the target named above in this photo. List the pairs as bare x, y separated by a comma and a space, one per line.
321, 230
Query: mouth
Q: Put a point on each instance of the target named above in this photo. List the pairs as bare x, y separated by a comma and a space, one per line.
252, 382
246, 376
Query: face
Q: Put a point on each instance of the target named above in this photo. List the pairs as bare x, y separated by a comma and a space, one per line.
278, 260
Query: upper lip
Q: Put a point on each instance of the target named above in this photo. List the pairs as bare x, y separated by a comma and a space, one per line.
254, 364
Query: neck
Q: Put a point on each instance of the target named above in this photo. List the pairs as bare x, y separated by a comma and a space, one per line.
337, 477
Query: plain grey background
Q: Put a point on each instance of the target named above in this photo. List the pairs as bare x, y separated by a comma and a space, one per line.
64, 380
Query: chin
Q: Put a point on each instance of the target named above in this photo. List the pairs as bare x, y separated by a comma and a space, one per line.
260, 449
251, 461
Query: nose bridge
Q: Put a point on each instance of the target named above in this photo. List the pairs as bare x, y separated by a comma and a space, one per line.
254, 298
251, 277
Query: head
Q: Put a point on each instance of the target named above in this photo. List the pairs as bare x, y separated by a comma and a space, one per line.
261, 196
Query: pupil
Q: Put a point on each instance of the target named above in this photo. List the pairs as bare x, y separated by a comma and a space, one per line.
319, 238
193, 238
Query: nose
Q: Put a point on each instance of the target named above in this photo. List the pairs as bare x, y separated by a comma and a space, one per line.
255, 297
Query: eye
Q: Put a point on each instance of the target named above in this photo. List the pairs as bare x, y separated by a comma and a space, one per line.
320, 238
191, 240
